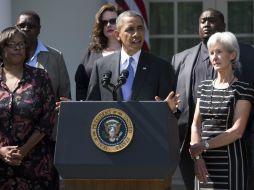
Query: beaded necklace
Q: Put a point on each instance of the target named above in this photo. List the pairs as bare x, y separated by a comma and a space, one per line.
225, 92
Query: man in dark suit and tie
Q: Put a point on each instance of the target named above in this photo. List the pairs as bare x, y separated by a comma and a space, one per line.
191, 67
150, 76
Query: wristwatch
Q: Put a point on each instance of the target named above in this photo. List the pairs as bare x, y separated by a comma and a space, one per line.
206, 144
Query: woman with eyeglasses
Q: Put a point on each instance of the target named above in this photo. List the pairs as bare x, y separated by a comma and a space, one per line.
103, 42
27, 114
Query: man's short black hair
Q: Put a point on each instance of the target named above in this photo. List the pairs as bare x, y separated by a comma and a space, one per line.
217, 13
33, 14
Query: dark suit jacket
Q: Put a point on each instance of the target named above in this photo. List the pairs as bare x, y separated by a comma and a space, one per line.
154, 77
246, 74
183, 63
53, 62
83, 73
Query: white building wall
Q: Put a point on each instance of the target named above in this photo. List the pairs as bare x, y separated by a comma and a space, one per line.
66, 25
5, 14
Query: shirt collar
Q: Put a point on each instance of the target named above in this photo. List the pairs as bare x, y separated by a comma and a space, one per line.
125, 57
40, 48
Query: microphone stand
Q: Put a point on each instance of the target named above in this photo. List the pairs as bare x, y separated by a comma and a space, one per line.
114, 87
121, 81
114, 94
114, 91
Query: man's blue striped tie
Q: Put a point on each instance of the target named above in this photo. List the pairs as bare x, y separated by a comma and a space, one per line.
127, 87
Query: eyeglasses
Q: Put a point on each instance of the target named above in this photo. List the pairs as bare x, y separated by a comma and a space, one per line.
26, 25
20, 45
110, 21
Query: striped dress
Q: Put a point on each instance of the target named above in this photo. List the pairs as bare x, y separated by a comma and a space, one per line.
227, 165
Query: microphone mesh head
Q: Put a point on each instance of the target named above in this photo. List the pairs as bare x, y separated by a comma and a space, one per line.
123, 77
125, 73
105, 80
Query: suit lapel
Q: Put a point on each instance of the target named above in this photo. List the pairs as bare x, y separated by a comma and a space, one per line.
42, 60
141, 73
115, 69
188, 71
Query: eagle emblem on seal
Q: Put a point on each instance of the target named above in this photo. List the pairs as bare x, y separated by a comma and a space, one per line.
112, 130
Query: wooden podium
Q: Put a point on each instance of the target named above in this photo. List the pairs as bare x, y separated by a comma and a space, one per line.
147, 163
116, 184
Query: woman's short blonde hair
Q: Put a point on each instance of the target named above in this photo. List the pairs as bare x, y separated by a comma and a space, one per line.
228, 40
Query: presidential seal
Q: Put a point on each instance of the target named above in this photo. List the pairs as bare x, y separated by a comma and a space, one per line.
112, 130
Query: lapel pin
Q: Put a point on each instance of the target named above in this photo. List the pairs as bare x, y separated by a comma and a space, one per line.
144, 68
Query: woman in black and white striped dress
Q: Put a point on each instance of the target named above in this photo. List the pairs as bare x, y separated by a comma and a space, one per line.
220, 119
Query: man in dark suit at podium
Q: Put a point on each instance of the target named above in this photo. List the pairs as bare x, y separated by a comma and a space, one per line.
149, 76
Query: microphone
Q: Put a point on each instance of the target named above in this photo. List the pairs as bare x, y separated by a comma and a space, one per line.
122, 78
105, 80
120, 81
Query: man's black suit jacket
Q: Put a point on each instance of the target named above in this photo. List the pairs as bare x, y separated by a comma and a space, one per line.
153, 77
